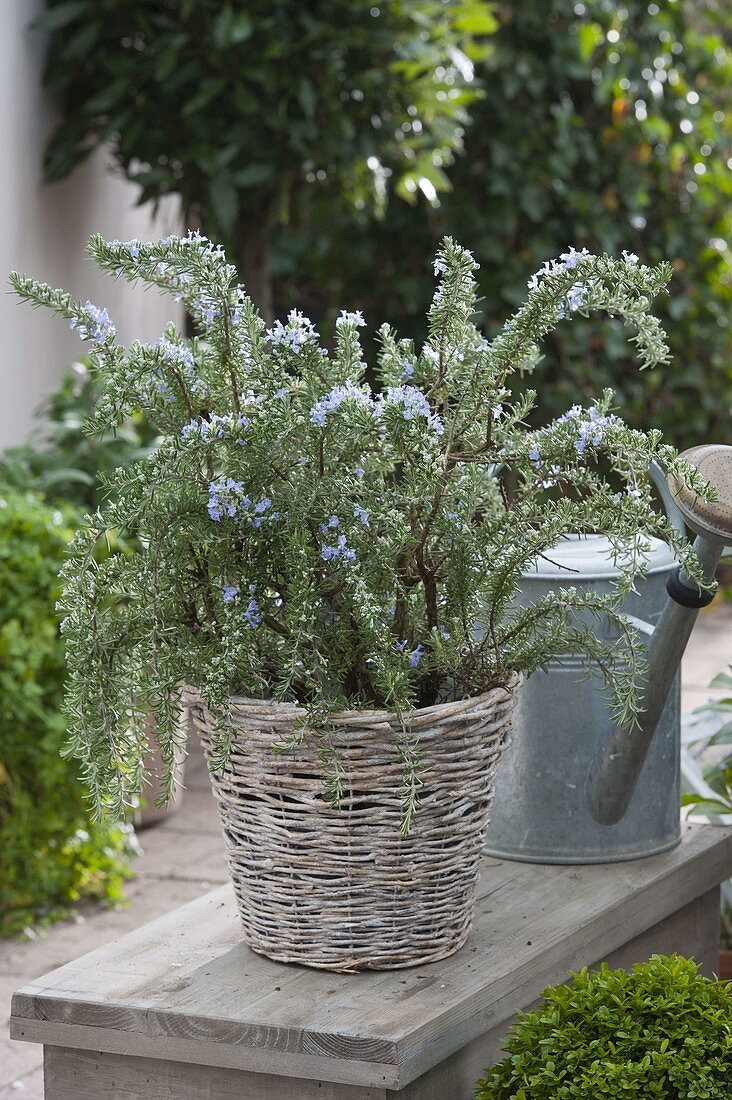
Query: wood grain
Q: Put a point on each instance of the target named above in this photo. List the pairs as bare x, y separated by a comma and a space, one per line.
185, 988
692, 931
91, 1075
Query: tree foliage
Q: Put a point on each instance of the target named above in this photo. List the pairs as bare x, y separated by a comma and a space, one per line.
658, 1032
603, 125
236, 106
303, 536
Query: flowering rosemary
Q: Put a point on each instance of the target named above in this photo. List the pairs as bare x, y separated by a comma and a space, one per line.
302, 536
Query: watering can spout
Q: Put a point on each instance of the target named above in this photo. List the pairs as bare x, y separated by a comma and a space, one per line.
614, 773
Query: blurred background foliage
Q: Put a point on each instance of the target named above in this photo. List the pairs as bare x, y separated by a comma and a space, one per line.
64, 463
236, 106
52, 854
295, 132
603, 125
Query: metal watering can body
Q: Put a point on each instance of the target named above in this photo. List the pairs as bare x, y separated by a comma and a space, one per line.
573, 787
540, 811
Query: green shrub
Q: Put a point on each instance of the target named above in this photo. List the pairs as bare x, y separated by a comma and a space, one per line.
657, 1032
63, 463
51, 854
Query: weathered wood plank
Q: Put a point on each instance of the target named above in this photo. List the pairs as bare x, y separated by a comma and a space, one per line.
692, 931
186, 982
215, 1055
561, 935
90, 1075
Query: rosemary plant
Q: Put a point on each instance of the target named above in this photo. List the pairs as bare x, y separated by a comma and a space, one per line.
306, 536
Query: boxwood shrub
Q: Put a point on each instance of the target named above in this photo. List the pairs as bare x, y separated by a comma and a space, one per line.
657, 1032
51, 854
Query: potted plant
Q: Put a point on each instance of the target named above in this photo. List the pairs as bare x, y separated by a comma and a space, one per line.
660, 1029
331, 567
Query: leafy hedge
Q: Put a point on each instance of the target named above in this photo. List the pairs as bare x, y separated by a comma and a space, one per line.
51, 854
64, 464
658, 1032
603, 125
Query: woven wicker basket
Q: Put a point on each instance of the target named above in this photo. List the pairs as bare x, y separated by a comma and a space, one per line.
342, 889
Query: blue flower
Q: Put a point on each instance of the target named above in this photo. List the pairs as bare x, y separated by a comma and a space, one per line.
227, 498
132, 248
178, 354
413, 403
94, 323
355, 318
590, 425
253, 615
341, 551
440, 267
416, 656
231, 591
181, 357
569, 259
216, 427
566, 262
335, 398
534, 456
332, 523
259, 509
576, 296
297, 334
224, 499
361, 514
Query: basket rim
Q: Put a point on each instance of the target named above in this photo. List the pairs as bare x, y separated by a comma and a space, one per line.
293, 711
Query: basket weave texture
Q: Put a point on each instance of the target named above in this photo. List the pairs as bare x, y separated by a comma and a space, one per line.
343, 889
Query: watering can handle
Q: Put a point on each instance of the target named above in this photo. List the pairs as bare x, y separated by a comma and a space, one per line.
674, 513
614, 772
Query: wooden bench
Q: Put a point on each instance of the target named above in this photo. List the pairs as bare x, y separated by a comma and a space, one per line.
182, 1009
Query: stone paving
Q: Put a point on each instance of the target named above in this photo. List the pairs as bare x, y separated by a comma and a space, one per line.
183, 858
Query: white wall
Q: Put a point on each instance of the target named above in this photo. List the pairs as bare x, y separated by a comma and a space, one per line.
43, 231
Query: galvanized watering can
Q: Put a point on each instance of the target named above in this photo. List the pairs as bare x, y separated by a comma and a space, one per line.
572, 788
